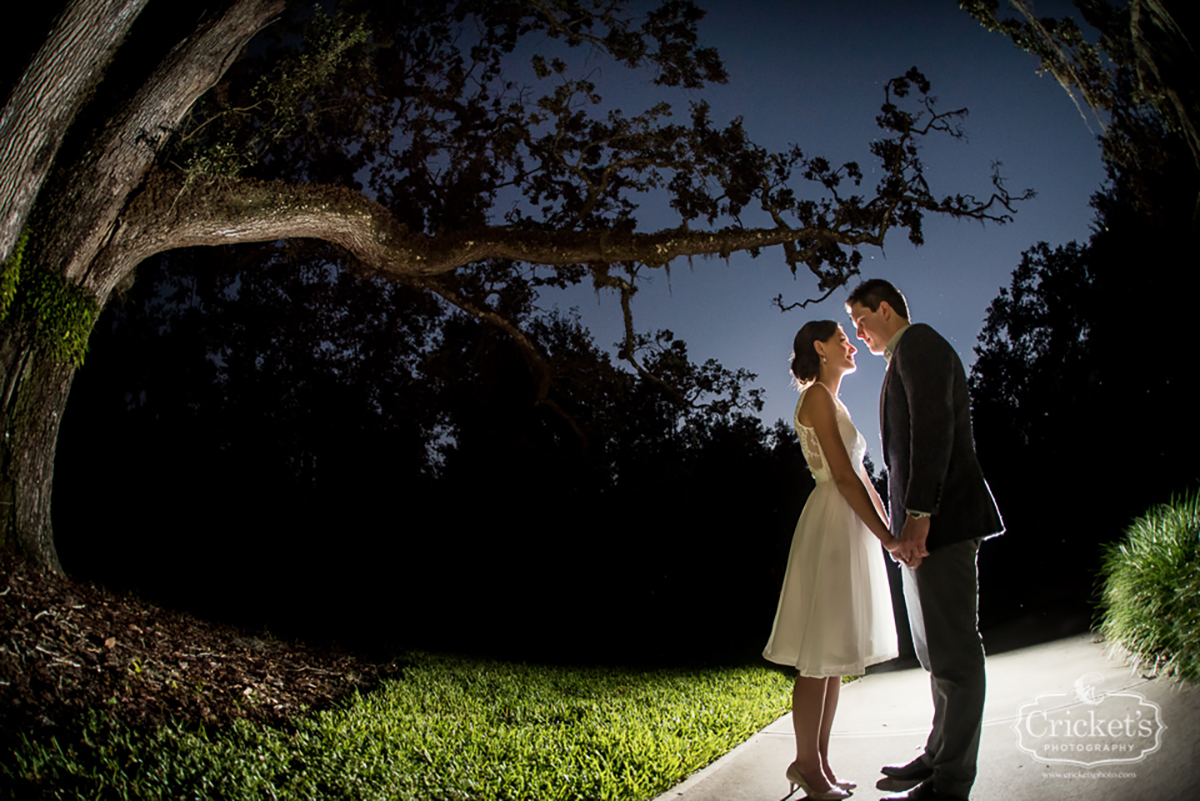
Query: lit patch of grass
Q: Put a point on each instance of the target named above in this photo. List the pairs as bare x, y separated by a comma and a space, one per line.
446, 729
1150, 582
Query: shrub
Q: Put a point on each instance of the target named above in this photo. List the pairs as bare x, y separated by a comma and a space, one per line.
1150, 588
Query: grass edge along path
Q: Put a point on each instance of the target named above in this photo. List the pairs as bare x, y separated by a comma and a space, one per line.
445, 729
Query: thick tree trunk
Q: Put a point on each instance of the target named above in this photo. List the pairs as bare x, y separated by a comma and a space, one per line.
75, 222
34, 396
42, 106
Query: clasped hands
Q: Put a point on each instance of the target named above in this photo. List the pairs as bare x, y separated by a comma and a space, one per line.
909, 548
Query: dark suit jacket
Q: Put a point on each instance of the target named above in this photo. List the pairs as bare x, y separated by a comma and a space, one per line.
925, 421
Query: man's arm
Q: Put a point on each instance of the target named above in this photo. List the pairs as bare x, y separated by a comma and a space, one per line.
911, 549
926, 365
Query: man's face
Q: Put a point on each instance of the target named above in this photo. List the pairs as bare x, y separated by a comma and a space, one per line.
870, 326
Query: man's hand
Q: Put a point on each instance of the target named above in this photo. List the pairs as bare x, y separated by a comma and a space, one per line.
910, 548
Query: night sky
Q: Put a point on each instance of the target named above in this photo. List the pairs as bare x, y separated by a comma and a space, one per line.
812, 73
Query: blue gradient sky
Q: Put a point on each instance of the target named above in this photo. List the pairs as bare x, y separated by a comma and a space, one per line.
812, 73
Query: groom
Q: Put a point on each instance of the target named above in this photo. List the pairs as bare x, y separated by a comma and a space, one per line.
941, 510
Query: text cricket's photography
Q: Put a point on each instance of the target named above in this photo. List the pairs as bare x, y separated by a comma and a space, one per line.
1089, 727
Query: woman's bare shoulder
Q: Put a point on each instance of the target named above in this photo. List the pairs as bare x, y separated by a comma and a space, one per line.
816, 403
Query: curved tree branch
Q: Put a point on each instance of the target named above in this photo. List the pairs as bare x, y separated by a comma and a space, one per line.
778, 301
166, 216
98, 188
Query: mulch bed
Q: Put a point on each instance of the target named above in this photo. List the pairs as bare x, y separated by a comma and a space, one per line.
67, 646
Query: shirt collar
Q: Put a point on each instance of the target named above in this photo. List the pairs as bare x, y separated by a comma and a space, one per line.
890, 348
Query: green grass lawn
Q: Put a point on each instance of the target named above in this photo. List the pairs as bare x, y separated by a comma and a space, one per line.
445, 728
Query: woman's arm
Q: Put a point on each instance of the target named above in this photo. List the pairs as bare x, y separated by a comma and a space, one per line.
818, 407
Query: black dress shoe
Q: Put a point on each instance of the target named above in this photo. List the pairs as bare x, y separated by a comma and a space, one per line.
915, 770
903, 777
925, 791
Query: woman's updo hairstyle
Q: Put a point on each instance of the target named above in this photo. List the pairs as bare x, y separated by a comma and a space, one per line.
806, 364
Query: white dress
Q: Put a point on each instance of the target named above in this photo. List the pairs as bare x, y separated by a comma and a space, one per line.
835, 609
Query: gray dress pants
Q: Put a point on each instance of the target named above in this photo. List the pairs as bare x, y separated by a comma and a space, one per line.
942, 597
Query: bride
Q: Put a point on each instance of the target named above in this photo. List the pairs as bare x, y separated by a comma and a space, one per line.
835, 609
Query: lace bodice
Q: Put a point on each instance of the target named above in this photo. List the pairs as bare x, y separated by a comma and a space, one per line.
856, 445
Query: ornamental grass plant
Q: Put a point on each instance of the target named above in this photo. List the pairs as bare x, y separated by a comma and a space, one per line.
1150, 588
444, 729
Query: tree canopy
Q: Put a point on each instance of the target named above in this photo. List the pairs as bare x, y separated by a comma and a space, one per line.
459, 149
1134, 68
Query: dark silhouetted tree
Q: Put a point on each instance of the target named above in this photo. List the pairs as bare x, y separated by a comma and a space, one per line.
381, 474
1135, 69
1081, 404
1080, 400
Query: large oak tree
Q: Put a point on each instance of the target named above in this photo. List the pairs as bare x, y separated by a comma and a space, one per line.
401, 138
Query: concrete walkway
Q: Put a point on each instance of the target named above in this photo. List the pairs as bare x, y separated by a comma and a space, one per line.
884, 718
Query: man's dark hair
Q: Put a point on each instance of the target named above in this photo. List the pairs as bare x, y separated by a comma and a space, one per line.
872, 292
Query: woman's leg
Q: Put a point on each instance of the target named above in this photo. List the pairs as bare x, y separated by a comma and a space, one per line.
808, 713
833, 686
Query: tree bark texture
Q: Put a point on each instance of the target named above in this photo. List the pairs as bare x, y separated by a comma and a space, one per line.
73, 229
34, 397
46, 99
166, 215
97, 189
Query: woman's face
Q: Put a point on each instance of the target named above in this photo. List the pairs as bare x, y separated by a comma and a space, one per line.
838, 351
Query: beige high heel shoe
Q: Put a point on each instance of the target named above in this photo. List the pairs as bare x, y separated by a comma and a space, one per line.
797, 780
